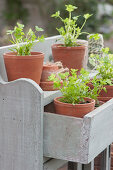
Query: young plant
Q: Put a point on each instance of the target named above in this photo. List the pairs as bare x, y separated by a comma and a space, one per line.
75, 88
103, 65
24, 41
71, 31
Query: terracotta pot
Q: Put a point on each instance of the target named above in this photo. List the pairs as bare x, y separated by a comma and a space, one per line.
24, 66
71, 57
99, 103
109, 91
48, 69
104, 96
104, 99
47, 86
77, 110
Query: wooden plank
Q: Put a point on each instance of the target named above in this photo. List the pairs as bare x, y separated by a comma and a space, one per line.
50, 95
105, 160
89, 166
62, 136
54, 164
21, 125
101, 130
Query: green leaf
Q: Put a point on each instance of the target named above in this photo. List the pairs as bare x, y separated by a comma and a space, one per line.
38, 29
86, 16
70, 8
56, 15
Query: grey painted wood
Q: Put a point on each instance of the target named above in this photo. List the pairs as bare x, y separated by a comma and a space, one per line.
89, 166
76, 139
54, 164
50, 95
101, 129
62, 136
21, 125
105, 160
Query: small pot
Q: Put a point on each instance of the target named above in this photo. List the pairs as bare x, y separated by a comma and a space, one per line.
71, 57
109, 92
48, 69
104, 96
77, 110
47, 86
104, 99
24, 66
99, 103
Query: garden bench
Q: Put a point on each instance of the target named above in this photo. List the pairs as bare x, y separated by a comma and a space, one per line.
34, 139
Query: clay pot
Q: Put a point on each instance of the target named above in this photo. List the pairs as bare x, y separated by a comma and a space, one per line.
104, 96
24, 66
47, 86
48, 69
104, 99
99, 103
71, 57
77, 110
109, 92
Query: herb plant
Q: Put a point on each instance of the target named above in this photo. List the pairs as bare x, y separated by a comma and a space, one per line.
71, 31
24, 41
75, 89
103, 65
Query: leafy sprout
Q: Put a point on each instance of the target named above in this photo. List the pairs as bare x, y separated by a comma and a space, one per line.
71, 31
104, 65
75, 88
24, 41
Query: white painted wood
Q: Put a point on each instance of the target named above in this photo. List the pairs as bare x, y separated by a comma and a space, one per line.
54, 164
89, 166
76, 139
105, 159
62, 136
21, 125
50, 95
101, 129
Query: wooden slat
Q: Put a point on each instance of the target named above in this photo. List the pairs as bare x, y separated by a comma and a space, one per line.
101, 130
21, 125
62, 136
54, 164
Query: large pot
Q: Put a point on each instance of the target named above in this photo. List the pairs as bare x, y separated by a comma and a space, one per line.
71, 57
24, 66
77, 110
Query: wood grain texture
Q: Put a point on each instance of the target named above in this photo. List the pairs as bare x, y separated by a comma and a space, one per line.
62, 136
54, 164
21, 125
78, 140
101, 129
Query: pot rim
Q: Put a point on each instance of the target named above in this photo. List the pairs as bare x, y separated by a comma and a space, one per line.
13, 55
75, 105
57, 46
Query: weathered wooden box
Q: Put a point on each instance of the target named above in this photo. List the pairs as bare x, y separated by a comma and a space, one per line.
78, 139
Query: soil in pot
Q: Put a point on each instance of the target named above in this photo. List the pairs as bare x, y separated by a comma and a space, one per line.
77, 110
71, 57
24, 66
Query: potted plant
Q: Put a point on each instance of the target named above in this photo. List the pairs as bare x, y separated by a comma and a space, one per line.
70, 53
21, 62
75, 100
104, 67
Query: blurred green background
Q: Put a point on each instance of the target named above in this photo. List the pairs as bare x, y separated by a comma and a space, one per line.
38, 12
